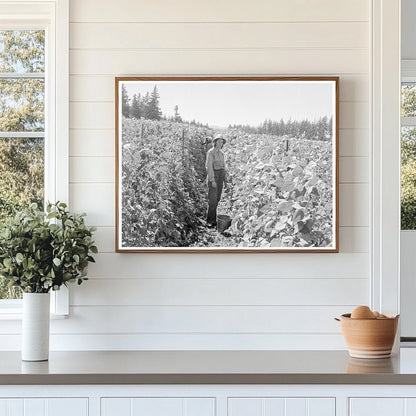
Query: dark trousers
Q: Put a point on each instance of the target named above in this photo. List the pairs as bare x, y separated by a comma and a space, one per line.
214, 195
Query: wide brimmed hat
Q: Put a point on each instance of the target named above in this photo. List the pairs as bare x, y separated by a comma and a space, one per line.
218, 137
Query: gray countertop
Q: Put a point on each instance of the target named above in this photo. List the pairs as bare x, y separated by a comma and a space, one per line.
208, 367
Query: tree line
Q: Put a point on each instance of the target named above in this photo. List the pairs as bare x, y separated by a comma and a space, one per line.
305, 129
147, 107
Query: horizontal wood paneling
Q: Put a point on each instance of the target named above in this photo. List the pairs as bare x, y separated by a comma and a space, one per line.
354, 142
96, 199
194, 319
100, 88
220, 291
92, 115
208, 301
352, 239
354, 170
232, 266
37, 11
219, 11
91, 169
218, 35
192, 341
220, 62
105, 238
354, 205
354, 115
92, 143
200, 319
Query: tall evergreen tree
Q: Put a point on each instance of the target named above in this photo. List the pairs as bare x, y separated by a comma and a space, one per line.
154, 110
125, 102
321, 128
145, 107
330, 128
135, 109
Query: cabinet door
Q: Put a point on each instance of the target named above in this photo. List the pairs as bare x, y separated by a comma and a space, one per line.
160, 406
251, 406
382, 406
44, 407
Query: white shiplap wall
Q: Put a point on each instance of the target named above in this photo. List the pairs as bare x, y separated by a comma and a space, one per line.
258, 301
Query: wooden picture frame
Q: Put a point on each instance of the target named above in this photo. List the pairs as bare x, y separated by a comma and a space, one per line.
270, 183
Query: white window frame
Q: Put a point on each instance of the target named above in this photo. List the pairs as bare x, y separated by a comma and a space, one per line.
408, 74
53, 17
385, 151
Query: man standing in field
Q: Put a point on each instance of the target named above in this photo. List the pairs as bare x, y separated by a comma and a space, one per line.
216, 176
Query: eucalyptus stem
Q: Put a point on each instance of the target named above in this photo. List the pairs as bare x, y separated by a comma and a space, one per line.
42, 251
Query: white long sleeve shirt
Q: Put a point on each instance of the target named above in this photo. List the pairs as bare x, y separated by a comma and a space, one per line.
215, 160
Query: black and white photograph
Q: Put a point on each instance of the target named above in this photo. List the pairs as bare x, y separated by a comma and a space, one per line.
227, 164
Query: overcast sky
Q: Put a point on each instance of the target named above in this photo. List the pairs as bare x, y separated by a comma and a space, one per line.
241, 102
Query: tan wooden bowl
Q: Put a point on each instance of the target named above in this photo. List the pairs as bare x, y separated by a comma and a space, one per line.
369, 338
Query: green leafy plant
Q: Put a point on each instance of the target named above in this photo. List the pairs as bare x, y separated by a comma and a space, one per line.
43, 251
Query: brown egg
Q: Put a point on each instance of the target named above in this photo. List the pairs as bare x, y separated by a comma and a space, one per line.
362, 312
376, 314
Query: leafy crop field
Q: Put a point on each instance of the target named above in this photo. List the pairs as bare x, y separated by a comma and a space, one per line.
279, 193
279, 197
163, 189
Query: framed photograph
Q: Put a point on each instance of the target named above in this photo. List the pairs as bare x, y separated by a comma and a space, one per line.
226, 164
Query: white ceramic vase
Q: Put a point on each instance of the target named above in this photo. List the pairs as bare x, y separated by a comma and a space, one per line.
35, 326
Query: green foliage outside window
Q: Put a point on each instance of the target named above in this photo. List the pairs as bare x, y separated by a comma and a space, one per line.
408, 179
21, 110
408, 106
408, 160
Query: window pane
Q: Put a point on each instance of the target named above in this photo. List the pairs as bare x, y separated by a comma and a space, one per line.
21, 173
9, 292
21, 182
22, 105
408, 99
22, 51
22, 108
408, 178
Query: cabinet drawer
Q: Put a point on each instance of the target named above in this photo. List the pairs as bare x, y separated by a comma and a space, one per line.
44, 407
382, 406
159, 406
281, 406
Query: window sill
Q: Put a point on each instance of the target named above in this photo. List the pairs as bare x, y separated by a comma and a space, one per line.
16, 315
12, 309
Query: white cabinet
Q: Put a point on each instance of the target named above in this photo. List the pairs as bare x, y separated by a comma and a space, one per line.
159, 406
208, 400
381, 406
281, 406
44, 407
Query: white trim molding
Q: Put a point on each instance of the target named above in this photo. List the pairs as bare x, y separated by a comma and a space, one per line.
53, 15
409, 70
385, 113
